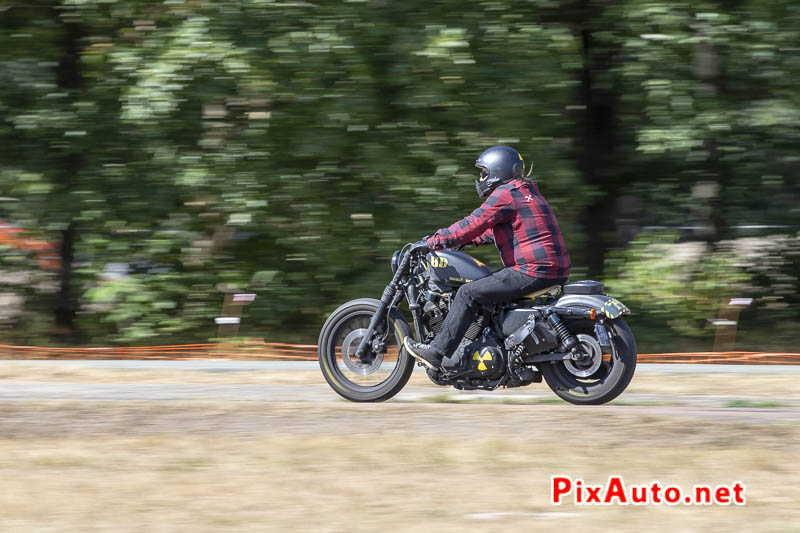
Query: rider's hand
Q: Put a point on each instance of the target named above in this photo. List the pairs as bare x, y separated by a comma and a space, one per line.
421, 244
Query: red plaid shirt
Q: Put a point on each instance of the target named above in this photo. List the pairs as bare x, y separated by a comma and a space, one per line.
521, 224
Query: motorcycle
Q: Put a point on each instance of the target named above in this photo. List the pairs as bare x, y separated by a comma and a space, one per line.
573, 335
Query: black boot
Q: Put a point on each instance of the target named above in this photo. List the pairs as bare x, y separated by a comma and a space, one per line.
423, 352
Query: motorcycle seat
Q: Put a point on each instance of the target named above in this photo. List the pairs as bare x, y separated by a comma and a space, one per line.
586, 286
553, 290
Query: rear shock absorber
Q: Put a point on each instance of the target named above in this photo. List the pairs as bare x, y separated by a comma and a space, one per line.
567, 339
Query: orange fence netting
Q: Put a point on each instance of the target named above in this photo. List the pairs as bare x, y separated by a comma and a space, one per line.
266, 351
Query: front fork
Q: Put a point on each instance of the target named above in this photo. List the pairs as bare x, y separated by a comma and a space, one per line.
414, 307
390, 298
411, 296
386, 300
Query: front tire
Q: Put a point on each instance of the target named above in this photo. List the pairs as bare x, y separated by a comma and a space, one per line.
368, 382
608, 381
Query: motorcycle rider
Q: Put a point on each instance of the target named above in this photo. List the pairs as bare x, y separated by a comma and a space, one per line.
519, 221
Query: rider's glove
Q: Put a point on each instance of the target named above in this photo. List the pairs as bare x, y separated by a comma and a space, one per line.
421, 244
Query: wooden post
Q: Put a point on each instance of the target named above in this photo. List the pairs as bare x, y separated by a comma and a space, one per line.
231, 314
725, 339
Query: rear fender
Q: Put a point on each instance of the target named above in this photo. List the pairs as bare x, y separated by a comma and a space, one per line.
612, 307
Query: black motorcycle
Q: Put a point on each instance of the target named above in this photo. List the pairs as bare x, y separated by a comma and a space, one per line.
573, 336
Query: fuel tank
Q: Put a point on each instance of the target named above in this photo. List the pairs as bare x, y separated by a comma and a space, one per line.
449, 268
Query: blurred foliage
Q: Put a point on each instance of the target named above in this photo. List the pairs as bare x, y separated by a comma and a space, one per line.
287, 148
681, 285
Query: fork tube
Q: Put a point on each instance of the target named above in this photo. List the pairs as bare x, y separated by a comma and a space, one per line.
414, 307
386, 299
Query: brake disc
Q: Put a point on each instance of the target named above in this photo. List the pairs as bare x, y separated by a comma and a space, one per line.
351, 360
586, 366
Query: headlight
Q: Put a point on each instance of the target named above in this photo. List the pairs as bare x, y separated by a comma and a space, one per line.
395, 260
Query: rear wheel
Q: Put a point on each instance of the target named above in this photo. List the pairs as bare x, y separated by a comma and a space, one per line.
381, 373
597, 379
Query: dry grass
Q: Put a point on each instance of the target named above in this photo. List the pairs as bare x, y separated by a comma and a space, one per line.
766, 385
128, 466
359, 483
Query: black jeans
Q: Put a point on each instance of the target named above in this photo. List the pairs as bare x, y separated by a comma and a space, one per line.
504, 285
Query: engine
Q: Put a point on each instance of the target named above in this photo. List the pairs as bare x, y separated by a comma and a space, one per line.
481, 358
479, 355
435, 313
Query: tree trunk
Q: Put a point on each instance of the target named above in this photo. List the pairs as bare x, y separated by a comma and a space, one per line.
597, 150
710, 224
65, 301
70, 79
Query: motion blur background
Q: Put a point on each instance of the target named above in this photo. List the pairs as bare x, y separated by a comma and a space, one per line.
156, 156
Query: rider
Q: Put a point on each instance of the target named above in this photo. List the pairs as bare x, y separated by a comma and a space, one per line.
520, 222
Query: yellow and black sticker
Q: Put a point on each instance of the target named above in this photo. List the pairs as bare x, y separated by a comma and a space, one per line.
438, 262
613, 308
481, 357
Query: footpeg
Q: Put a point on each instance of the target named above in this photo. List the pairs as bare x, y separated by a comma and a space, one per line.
528, 374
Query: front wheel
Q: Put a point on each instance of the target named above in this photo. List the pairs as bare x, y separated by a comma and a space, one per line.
599, 379
378, 375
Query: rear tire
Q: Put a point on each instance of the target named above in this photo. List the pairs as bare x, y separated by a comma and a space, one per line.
336, 373
608, 382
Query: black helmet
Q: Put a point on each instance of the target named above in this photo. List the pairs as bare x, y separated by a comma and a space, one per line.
498, 164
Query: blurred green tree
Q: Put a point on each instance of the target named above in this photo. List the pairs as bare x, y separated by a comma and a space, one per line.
178, 151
